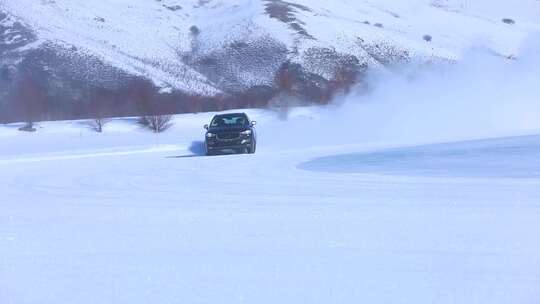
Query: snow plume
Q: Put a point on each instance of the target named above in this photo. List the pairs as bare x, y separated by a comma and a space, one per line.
482, 95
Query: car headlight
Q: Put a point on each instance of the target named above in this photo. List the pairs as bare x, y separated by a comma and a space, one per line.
247, 133
210, 135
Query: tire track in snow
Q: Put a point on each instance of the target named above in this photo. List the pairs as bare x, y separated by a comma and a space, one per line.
108, 153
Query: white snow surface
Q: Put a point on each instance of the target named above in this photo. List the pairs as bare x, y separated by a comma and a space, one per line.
147, 37
131, 217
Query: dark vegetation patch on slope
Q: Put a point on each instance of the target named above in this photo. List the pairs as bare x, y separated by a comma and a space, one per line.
13, 35
286, 12
241, 64
385, 53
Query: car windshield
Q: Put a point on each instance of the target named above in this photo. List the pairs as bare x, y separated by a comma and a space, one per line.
230, 120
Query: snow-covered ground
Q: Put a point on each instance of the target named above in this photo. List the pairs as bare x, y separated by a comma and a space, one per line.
128, 217
425, 190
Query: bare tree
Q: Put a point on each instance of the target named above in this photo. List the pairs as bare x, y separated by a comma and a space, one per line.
98, 124
30, 97
158, 123
153, 113
100, 109
285, 81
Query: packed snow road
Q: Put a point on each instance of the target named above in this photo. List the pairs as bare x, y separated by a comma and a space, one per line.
334, 223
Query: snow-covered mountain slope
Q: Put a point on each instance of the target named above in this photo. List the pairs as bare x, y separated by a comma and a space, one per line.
210, 46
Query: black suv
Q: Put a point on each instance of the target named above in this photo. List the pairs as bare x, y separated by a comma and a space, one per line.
231, 132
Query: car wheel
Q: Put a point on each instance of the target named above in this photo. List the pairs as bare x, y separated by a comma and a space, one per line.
210, 152
252, 149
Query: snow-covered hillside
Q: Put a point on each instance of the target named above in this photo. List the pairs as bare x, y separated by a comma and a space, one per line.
206, 47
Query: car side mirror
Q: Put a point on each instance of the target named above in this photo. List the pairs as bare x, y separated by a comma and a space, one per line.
206, 127
253, 123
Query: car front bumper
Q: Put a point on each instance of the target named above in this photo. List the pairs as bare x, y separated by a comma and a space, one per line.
218, 145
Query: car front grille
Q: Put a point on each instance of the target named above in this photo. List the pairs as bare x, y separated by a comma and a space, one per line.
228, 136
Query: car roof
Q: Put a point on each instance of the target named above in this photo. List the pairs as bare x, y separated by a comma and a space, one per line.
231, 115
